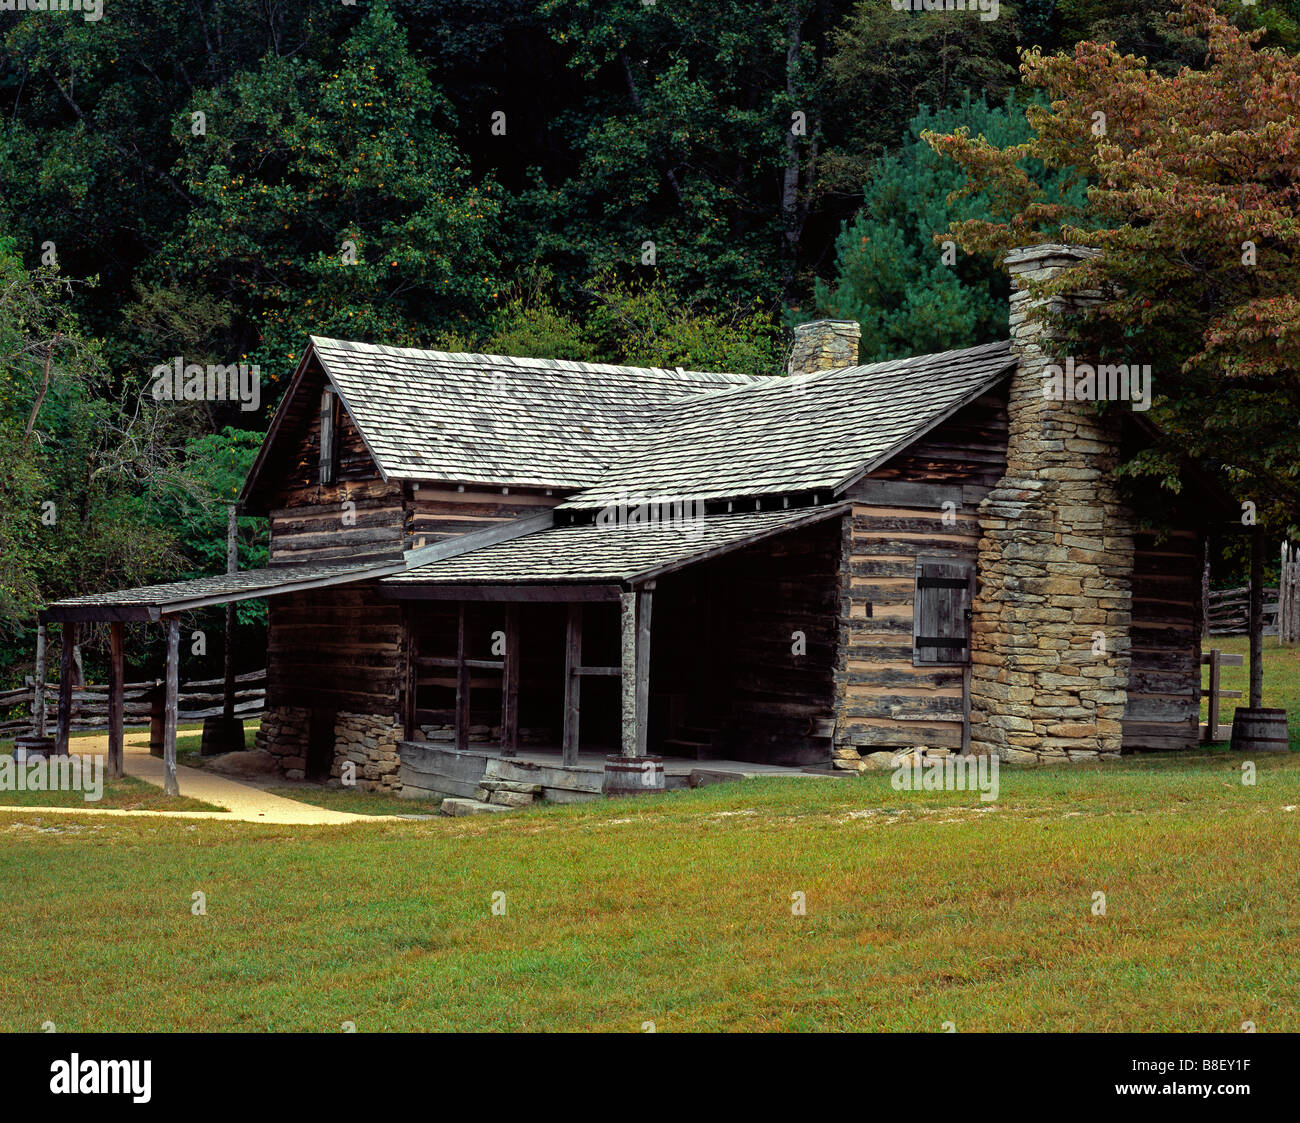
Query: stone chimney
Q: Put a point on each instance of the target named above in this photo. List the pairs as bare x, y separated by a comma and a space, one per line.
825, 345
1050, 622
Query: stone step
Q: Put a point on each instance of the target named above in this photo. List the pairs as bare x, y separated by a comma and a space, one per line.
507, 799
520, 786
456, 807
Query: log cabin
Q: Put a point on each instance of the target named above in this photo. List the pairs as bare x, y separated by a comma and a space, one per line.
608, 578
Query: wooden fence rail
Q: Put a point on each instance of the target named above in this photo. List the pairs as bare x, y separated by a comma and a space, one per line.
199, 699
1230, 611
1288, 597
1211, 730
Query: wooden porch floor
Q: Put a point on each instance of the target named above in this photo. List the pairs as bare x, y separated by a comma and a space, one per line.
439, 767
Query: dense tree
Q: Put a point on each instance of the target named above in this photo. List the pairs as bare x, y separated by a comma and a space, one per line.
1194, 206
908, 293
81, 474
333, 203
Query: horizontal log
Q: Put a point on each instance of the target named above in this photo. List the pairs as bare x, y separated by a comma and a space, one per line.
928, 677
964, 527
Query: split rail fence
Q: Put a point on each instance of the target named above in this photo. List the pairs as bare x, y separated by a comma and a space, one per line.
199, 699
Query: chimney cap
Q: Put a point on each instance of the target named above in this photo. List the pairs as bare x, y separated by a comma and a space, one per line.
1034, 256
826, 320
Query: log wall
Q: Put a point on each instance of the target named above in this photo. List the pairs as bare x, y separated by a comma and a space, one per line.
1164, 687
440, 512
882, 701
337, 648
358, 516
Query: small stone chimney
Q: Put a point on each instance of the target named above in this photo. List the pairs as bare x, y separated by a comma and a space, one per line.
1050, 622
824, 345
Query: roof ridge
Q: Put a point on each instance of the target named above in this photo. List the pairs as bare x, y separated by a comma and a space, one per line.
464, 358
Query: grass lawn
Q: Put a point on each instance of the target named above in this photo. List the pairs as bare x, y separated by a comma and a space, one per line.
189, 741
357, 802
126, 794
921, 908
1281, 680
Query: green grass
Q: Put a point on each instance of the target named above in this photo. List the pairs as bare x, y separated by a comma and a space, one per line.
1281, 680
188, 747
357, 802
676, 909
126, 794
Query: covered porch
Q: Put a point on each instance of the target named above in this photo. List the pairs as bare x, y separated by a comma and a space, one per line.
625, 657
165, 604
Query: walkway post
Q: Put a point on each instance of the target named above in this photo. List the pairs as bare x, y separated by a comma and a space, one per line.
38, 689
170, 786
68, 644
116, 687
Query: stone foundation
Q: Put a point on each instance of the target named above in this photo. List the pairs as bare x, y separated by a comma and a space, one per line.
1055, 565
368, 740
283, 734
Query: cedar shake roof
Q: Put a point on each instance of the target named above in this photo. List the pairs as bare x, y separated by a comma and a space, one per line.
150, 602
807, 432
496, 419
624, 552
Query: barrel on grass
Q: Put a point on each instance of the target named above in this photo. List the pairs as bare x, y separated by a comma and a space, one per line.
1260, 731
33, 748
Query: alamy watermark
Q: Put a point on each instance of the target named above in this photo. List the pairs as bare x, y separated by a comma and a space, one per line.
92, 11
1105, 382
179, 381
685, 516
988, 9
73, 773
948, 774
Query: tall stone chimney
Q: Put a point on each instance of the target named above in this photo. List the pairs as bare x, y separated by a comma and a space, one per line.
824, 345
1050, 623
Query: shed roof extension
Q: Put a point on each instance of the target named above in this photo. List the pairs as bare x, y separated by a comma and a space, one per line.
152, 602
625, 552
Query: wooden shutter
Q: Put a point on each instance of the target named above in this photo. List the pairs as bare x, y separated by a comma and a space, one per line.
329, 436
941, 613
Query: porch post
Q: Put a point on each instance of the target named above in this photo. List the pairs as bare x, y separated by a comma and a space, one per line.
68, 644
38, 688
629, 669
116, 686
170, 786
510, 684
412, 672
228, 656
462, 684
645, 603
572, 681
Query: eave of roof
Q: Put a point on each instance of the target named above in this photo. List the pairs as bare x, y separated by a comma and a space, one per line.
152, 602
621, 552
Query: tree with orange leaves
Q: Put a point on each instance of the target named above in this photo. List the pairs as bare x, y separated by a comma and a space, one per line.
1194, 200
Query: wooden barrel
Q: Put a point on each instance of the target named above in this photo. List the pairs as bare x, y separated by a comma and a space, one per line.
31, 748
633, 775
1259, 731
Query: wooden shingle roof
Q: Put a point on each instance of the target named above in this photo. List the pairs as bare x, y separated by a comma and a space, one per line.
496, 419
151, 602
809, 432
624, 552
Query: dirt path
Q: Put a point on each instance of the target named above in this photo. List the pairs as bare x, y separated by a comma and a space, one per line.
243, 802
